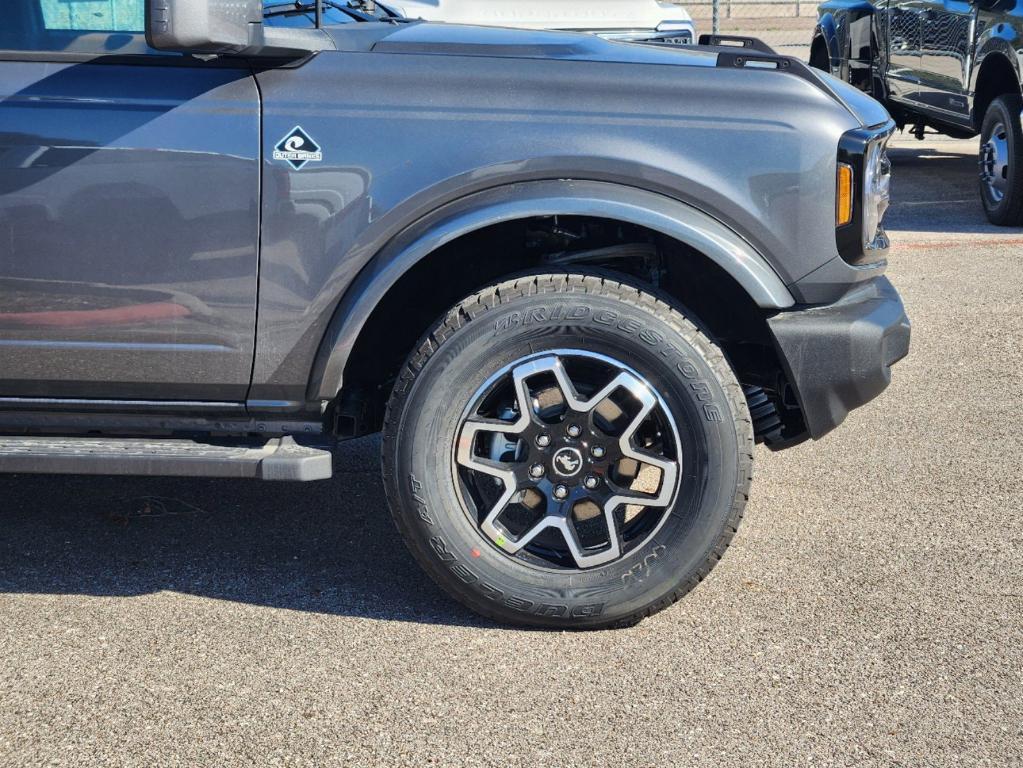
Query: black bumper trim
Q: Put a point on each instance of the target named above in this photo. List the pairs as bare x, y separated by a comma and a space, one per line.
838, 357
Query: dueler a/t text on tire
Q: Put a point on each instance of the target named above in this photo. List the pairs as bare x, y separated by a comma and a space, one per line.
567, 451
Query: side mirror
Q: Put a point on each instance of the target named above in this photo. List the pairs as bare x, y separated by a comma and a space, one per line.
203, 26
218, 27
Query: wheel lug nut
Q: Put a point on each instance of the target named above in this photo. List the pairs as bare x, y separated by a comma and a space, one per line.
560, 492
536, 470
574, 430
543, 440
597, 451
591, 482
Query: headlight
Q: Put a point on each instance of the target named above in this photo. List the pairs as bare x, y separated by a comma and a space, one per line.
675, 38
876, 192
675, 32
862, 193
667, 33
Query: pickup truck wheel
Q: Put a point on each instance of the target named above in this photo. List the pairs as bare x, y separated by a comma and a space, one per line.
567, 451
1001, 161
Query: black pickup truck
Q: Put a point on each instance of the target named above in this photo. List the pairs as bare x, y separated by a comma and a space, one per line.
949, 65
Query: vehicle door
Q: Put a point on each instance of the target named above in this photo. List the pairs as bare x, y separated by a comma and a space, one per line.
129, 210
947, 27
905, 40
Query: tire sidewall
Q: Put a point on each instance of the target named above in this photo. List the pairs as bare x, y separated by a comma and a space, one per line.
450, 545
1000, 110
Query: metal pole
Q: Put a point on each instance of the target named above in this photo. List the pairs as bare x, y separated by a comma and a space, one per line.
319, 14
715, 25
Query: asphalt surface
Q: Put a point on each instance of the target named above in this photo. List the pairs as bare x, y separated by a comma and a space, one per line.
868, 613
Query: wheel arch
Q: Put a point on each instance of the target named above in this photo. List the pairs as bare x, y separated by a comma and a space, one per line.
681, 222
825, 39
833, 29
997, 74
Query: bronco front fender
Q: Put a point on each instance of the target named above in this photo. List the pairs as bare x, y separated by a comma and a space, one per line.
672, 218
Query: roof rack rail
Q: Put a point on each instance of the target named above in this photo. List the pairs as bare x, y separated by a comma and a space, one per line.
753, 54
736, 41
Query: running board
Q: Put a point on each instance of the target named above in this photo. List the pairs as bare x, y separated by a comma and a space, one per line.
275, 459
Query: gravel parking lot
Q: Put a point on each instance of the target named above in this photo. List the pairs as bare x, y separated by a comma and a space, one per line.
869, 611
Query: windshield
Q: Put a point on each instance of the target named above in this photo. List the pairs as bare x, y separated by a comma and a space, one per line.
285, 13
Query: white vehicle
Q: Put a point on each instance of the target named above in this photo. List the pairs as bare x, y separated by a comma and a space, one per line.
617, 19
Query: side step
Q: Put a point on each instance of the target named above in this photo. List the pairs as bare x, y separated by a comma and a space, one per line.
279, 458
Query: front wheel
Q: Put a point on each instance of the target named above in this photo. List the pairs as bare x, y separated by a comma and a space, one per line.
1001, 161
567, 451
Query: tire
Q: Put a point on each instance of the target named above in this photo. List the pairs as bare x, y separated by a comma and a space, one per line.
1001, 161
695, 432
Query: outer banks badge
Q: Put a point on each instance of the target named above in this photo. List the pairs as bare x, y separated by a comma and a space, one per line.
298, 148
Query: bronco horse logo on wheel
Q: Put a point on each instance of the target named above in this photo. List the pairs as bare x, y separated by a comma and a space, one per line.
567, 461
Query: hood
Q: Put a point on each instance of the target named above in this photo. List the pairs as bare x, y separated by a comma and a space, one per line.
458, 40
590, 15
426, 38
867, 110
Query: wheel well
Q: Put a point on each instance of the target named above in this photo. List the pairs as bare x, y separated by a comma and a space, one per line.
996, 77
649, 259
820, 57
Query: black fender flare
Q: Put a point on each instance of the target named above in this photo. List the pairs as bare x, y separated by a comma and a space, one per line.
835, 24
993, 47
671, 217
825, 32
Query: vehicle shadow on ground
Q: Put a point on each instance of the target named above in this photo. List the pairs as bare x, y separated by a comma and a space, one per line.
327, 547
935, 189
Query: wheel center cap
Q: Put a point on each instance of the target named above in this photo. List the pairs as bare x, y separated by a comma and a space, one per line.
568, 462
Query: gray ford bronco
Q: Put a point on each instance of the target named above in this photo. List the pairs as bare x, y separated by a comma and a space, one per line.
571, 280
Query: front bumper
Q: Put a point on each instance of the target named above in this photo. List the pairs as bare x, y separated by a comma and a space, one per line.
838, 357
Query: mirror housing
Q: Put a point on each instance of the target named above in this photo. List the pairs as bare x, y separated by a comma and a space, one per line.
202, 26
219, 27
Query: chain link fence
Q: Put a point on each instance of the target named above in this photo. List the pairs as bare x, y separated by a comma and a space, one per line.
785, 25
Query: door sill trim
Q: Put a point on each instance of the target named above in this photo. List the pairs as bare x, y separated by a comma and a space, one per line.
119, 406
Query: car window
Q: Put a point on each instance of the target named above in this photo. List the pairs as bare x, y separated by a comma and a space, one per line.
73, 26
94, 15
